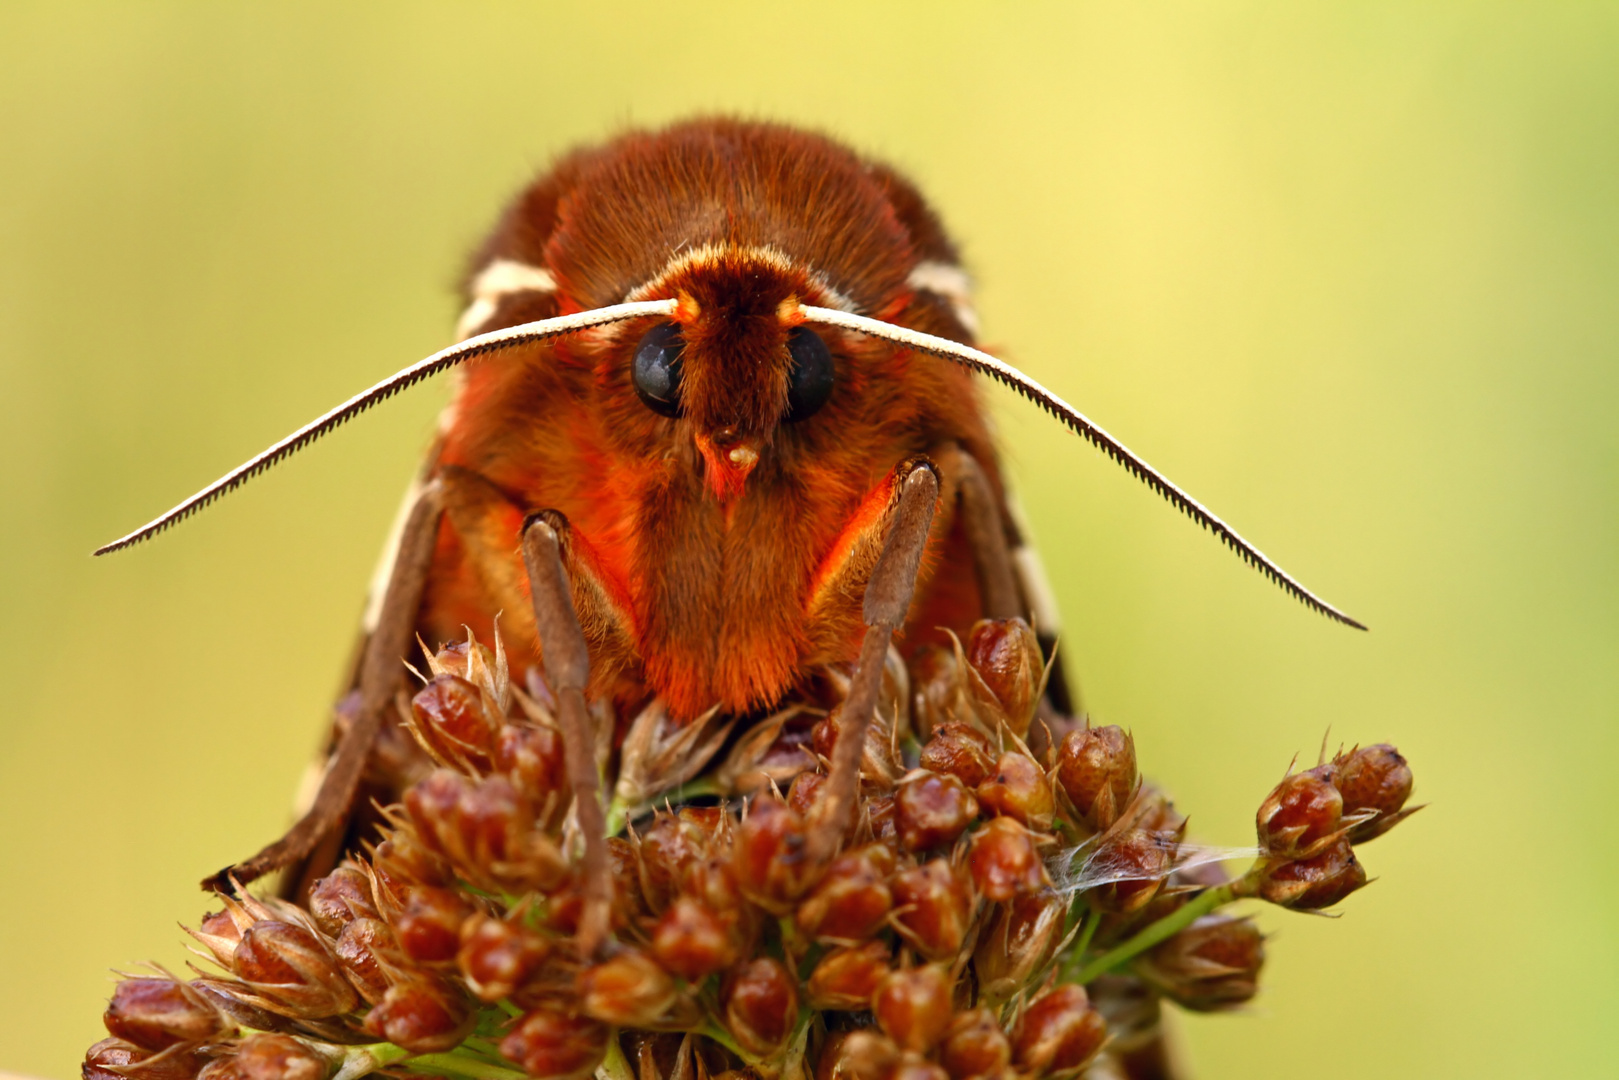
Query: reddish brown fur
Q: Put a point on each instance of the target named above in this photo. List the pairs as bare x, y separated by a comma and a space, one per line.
711, 571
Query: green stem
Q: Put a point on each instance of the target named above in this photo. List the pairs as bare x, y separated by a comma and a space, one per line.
460, 1065
1164, 928
1093, 919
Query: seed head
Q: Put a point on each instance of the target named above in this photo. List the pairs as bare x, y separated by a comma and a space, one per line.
550, 1044
367, 951
760, 1000
424, 1015
628, 989
339, 898
914, 1007
1137, 862
1301, 814
157, 1013
1211, 965
960, 750
279, 1057
456, 721
1006, 656
852, 900
975, 1045
1019, 789
1316, 882
1374, 779
858, 1055
931, 810
693, 941
429, 929
497, 956
845, 978
1097, 770
291, 966
1004, 861
1021, 938
769, 859
933, 908
1059, 1031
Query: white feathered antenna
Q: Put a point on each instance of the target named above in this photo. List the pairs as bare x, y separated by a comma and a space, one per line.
1086, 429
482, 344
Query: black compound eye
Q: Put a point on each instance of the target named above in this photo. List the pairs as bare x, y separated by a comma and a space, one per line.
809, 383
656, 369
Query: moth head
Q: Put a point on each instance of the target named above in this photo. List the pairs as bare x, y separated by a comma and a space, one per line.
736, 362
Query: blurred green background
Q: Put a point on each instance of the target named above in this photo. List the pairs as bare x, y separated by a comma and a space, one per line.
1347, 271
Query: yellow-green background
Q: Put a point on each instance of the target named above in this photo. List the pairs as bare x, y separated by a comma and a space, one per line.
1348, 271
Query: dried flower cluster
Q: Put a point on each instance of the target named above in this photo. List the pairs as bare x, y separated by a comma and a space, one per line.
1011, 902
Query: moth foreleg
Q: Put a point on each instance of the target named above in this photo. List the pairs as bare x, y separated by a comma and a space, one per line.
567, 669
886, 602
381, 672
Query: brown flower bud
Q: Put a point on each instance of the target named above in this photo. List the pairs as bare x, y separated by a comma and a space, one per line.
845, 979
341, 897
154, 1014
532, 756
1299, 816
912, 1068
1021, 937
1097, 770
403, 860
668, 850
221, 1068
1134, 865
931, 810
933, 908
914, 1007
116, 1059
279, 1057
1019, 789
1004, 861
627, 989
960, 750
422, 1015
760, 1000
858, 1055
486, 829
1211, 965
768, 858
805, 789
221, 931
1317, 882
975, 1045
553, 1045
1006, 655
456, 720
291, 966
366, 950
694, 941
852, 900
429, 929
1059, 1031
497, 957
1374, 778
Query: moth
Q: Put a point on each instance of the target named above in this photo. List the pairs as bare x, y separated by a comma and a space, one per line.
716, 429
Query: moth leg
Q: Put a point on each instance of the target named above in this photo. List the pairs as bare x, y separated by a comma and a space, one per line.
985, 527
567, 669
1011, 580
887, 600
381, 672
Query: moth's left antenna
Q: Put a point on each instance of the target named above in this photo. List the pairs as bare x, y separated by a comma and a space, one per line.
481, 345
